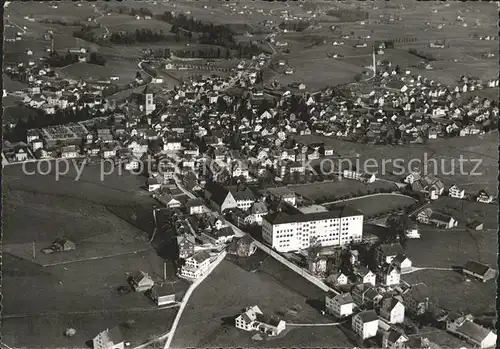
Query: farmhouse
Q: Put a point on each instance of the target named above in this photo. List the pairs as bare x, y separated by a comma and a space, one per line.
464, 327
365, 324
254, 320
140, 281
162, 294
63, 244
479, 271
484, 197
109, 339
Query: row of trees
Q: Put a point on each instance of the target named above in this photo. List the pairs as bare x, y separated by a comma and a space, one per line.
130, 11
57, 60
243, 50
294, 26
422, 54
140, 35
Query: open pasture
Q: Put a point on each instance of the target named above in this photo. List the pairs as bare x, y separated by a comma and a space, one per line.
410, 21
47, 331
117, 22
64, 9
331, 191
125, 70
383, 203
446, 153
215, 305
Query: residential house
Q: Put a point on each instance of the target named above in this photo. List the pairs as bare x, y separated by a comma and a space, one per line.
385, 253
484, 197
257, 211
20, 154
337, 279
195, 206
168, 200
196, 265
109, 339
223, 235
366, 276
244, 246
282, 194
186, 244
390, 275
339, 305
243, 196
393, 339
402, 262
366, 295
479, 271
456, 192
392, 310
416, 299
140, 281
412, 177
153, 184
162, 294
464, 327
365, 324
254, 320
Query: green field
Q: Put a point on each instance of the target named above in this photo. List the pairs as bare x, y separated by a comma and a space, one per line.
107, 220
331, 191
377, 204
446, 152
213, 304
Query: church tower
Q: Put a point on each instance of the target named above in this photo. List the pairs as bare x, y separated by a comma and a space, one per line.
149, 104
374, 62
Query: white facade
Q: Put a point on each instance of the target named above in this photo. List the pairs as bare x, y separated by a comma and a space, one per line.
456, 193
297, 232
365, 329
195, 267
337, 306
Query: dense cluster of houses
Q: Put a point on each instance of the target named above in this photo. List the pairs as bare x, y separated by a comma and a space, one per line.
379, 304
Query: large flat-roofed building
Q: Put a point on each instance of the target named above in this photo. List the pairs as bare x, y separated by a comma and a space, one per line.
292, 229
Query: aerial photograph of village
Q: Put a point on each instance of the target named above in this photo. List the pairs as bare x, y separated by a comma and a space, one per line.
249, 174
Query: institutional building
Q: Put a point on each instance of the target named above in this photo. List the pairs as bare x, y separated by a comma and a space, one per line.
292, 229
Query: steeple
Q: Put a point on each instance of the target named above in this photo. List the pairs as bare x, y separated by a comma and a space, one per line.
374, 61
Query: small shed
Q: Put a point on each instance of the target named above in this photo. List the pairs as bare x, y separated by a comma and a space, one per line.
63, 244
